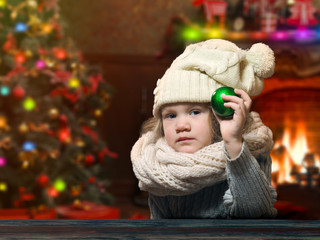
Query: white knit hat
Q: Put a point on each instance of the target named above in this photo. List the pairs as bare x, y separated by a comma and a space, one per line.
205, 66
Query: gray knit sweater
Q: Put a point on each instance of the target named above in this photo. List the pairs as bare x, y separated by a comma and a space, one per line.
247, 193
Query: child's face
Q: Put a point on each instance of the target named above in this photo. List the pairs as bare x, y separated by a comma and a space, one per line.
187, 126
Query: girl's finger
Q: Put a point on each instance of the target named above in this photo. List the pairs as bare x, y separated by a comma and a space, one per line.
246, 98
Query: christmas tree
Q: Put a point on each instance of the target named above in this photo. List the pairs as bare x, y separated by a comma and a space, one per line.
51, 151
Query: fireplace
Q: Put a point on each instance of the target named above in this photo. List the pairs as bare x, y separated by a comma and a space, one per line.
290, 106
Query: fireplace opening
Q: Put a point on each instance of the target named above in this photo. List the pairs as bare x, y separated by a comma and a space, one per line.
293, 115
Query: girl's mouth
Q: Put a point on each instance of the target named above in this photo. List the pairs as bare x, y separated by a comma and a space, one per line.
181, 139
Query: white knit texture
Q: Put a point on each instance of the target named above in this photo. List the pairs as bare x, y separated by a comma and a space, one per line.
203, 67
162, 171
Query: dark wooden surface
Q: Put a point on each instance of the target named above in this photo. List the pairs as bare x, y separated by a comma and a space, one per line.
159, 229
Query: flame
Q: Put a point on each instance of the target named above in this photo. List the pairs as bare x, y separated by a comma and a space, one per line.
288, 153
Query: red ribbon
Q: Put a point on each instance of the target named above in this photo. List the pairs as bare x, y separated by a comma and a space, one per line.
106, 152
90, 132
73, 97
95, 80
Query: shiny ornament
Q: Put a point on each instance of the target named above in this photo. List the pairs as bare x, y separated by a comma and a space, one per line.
64, 135
3, 187
79, 143
23, 128
3, 122
32, 4
52, 192
20, 57
4, 91
217, 102
92, 180
93, 123
74, 82
40, 64
28, 53
98, 112
3, 161
59, 185
50, 62
54, 113
29, 104
60, 53
75, 190
89, 159
43, 180
3, 3
18, 92
46, 28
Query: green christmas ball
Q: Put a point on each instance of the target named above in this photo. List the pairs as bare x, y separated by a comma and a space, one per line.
217, 102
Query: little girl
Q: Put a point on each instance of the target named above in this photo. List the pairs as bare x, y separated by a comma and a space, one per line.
195, 164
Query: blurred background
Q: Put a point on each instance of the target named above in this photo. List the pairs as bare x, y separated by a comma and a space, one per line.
77, 80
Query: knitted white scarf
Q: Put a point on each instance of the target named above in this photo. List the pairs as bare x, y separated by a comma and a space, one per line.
163, 171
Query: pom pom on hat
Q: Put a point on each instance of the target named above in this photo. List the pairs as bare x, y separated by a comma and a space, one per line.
205, 66
261, 57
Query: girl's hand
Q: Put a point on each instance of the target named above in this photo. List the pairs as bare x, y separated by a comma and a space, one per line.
231, 128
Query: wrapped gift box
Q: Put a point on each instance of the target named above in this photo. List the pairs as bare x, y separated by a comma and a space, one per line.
27, 214
87, 210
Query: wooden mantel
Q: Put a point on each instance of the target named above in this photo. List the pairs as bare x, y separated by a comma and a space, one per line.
159, 229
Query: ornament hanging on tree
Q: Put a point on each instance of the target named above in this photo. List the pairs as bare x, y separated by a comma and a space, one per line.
23, 128
4, 124
3, 187
18, 92
89, 159
43, 180
4, 91
3, 161
54, 113
3, 3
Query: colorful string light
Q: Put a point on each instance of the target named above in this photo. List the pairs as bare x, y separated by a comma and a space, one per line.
4, 90
21, 27
29, 146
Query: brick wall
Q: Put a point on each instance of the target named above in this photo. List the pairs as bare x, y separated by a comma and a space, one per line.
286, 103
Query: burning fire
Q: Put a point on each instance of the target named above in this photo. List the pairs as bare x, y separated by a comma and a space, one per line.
288, 155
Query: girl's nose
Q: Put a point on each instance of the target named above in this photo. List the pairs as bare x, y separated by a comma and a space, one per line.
182, 125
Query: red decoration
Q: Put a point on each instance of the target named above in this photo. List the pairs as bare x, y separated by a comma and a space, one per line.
24, 197
89, 131
139, 216
64, 134
302, 14
23, 213
10, 44
18, 92
60, 53
90, 159
20, 57
106, 152
72, 97
43, 180
95, 80
52, 192
88, 210
92, 180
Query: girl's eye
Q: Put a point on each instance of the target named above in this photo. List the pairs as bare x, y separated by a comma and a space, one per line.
170, 115
195, 112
